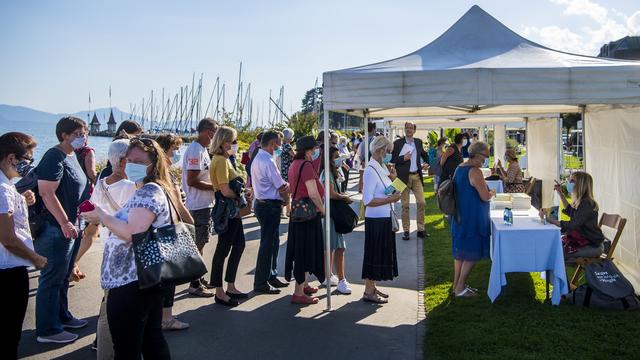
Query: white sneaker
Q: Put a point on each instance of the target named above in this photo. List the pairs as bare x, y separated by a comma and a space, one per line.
333, 279
344, 287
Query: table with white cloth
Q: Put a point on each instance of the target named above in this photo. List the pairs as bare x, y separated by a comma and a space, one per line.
496, 185
526, 246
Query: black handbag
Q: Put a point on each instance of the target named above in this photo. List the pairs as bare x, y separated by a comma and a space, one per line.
168, 254
304, 209
343, 216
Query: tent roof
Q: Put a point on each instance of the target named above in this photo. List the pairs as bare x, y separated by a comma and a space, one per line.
477, 63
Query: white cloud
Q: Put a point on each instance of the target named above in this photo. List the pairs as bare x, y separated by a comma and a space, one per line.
609, 26
584, 7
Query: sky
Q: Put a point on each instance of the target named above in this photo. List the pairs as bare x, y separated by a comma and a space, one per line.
54, 53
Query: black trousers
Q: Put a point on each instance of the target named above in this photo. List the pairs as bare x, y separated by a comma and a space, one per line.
168, 295
135, 322
345, 183
230, 241
13, 306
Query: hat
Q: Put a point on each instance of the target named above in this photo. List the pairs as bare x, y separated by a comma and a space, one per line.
306, 143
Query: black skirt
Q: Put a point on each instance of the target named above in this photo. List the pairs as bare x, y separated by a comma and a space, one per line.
305, 250
380, 260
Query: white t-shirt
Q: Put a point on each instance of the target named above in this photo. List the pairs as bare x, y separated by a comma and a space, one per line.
118, 259
373, 188
11, 202
120, 191
197, 158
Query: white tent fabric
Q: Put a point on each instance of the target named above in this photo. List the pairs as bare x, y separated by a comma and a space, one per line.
542, 147
612, 155
479, 65
499, 143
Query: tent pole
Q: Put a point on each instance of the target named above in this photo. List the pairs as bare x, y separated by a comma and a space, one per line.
327, 209
560, 149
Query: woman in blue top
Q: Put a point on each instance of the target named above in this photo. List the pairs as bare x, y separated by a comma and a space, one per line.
471, 230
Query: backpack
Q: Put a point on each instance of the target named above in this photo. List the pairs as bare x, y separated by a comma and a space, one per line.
447, 196
606, 288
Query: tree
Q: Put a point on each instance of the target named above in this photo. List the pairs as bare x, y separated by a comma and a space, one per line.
303, 124
312, 101
570, 120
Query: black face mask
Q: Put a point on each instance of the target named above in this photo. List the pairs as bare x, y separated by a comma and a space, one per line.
23, 167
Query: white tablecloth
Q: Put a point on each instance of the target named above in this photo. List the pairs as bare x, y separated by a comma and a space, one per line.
526, 246
496, 185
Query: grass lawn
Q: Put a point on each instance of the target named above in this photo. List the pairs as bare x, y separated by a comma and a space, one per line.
519, 325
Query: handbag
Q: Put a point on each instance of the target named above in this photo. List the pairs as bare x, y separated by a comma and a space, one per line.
343, 216
167, 254
304, 209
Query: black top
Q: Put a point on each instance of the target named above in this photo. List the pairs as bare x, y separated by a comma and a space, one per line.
74, 185
585, 220
403, 166
451, 163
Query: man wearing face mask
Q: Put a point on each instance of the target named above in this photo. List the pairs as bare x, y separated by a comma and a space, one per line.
200, 193
63, 186
270, 192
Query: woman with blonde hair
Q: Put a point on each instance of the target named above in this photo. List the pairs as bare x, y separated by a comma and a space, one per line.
134, 314
512, 177
582, 235
229, 189
380, 260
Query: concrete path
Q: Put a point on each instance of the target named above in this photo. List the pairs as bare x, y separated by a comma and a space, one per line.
268, 326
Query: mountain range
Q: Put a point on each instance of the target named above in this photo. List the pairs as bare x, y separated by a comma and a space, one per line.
12, 113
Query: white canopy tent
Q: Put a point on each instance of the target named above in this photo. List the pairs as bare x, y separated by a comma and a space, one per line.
481, 67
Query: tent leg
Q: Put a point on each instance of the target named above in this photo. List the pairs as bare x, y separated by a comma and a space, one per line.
327, 210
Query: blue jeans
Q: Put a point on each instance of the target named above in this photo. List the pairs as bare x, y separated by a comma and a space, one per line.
52, 308
268, 214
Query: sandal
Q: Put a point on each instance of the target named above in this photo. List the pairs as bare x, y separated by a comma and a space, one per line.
173, 325
466, 286
310, 290
374, 298
466, 293
381, 294
303, 299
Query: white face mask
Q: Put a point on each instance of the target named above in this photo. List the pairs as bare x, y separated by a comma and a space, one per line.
78, 142
464, 142
135, 172
233, 150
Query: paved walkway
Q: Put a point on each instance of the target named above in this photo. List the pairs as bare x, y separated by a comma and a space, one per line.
268, 326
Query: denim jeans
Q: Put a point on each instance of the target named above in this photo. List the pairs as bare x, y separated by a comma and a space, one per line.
268, 214
52, 308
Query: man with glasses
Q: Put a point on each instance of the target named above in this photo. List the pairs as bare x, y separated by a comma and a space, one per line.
63, 186
200, 194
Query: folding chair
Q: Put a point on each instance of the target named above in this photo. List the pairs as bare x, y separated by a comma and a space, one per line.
613, 221
532, 183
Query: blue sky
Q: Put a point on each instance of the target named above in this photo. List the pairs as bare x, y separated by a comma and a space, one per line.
55, 52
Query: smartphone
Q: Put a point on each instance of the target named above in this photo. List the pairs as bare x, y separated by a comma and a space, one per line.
389, 190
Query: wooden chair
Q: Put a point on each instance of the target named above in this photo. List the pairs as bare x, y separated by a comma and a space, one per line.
532, 183
612, 221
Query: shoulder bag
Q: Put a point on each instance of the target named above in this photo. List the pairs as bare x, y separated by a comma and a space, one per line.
343, 216
168, 254
304, 209
395, 225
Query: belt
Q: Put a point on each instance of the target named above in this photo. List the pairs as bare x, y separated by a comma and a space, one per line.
413, 173
269, 201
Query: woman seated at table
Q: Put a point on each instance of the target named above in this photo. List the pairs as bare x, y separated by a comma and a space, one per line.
470, 229
512, 178
582, 236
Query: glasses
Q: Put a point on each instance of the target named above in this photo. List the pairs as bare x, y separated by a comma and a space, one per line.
147, 144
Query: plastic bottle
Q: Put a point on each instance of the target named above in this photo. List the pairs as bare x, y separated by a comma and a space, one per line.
508, 217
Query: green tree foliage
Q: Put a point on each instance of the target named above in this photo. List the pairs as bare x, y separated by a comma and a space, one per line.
303, 124
432, 138
451, 134
570, 120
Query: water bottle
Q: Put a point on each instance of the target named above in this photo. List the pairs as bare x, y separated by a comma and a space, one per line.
507, 216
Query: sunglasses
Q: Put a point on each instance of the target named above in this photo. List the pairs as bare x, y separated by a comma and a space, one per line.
147, 144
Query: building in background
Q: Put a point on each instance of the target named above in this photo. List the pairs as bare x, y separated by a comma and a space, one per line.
94, 125
111, 124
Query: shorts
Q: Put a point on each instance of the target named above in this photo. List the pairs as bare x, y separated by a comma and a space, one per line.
202, 222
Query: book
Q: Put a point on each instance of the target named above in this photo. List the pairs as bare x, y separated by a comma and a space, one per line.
399, 185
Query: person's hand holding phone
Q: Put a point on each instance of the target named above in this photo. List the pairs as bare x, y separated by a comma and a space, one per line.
407, 155
557, 187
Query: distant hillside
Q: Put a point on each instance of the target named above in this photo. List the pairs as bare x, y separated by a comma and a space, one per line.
21, 113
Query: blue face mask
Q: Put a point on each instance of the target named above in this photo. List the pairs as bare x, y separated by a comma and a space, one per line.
315, 154
337, 162
570, 186
23, 167
278, 152
78, 142
387, 158
176, 157
135, 172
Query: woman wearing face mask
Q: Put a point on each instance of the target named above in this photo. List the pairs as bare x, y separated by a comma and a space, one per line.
512, 177
305, 247
582, 235
471, 227
171, 143
452, 158
16, 242
231, 242
63, 186
338, 245
465, 146
233, 154
134, 314
380, 258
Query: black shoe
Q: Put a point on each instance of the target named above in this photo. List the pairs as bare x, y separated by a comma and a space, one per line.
405, 236
266, 290
423, 234
231, 303
237, 296
277, 283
